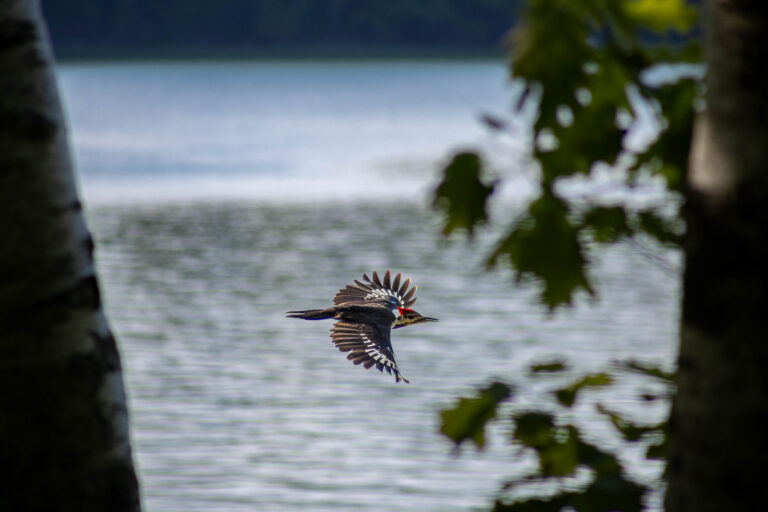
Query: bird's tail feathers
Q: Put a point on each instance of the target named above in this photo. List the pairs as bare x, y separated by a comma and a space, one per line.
312, 314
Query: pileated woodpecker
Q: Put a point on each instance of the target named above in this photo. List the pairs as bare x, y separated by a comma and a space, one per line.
365, 314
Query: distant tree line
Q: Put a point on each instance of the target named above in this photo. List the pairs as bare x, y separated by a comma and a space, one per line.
239, 27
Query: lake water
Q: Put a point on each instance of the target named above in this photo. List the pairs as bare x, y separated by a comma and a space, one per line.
223, 194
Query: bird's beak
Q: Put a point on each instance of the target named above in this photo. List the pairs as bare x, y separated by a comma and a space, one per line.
428, 319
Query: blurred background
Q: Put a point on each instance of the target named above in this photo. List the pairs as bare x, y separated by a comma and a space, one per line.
240, 159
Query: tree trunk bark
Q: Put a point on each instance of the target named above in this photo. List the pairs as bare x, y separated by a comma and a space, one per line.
719, 421
64, 442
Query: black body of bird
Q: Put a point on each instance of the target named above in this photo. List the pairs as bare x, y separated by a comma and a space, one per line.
366, 312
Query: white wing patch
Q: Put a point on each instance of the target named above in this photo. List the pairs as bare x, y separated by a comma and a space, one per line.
367, 346
383, 292
376, 354
391, 297
386, 292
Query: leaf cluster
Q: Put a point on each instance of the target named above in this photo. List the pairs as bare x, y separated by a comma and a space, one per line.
463, 194
467, 420
584, 64
557, 443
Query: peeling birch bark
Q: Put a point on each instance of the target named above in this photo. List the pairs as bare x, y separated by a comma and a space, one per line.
63, 419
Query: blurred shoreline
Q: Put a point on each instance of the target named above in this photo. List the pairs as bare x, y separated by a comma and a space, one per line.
90, 53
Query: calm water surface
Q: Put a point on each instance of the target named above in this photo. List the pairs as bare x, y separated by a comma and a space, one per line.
223, 195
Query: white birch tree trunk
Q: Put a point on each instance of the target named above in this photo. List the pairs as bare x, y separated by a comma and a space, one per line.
64, 441
719, 421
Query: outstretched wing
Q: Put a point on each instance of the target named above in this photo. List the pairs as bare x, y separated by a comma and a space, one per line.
388, 293
367, 345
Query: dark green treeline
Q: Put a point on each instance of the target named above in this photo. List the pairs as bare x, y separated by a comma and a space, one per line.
114, 28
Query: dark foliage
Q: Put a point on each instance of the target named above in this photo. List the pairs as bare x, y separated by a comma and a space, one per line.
583, 64
463, 194
556, 442
586, 77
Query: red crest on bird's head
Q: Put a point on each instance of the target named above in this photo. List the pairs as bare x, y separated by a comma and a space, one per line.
403, 311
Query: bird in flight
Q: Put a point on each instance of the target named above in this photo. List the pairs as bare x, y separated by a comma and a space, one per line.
365, 313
